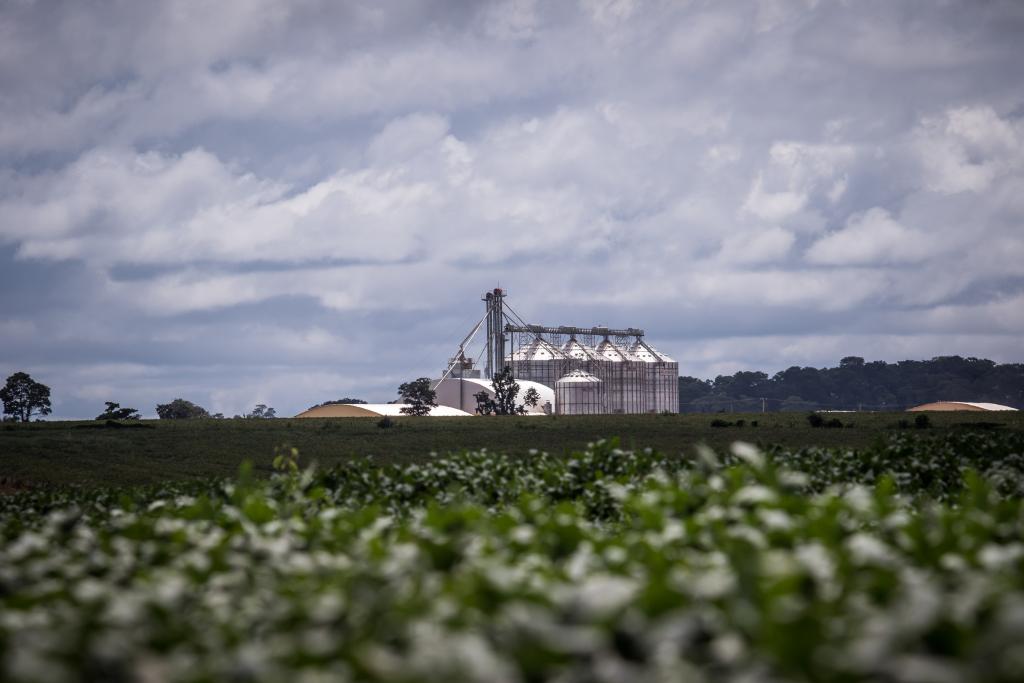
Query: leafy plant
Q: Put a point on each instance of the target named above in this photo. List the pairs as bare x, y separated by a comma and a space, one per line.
261, 412
180, 409
24, 397
418, 397
286, 459
898, 562
114, 411
506, 391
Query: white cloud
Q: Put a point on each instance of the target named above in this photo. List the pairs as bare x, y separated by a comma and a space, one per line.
835, 290
511, 19
872, 237
609, 11
766, 168
406, 137
706, 36
773, 207
797, 176
967, 149
722, 155
761, 246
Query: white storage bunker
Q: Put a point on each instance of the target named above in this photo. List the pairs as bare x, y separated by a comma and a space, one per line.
606, 370
460, 393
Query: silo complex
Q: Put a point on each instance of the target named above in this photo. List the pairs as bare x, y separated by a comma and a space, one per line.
633, 376
636, 377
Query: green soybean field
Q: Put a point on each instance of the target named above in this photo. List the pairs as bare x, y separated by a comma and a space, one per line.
902, 560
105, 453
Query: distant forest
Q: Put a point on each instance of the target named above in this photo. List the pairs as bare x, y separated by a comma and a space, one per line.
857, 385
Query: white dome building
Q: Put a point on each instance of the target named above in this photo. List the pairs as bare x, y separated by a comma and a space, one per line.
460, 393
375, 410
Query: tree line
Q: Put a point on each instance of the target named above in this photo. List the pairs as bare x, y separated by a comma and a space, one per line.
857, 385
24, 398
853, 385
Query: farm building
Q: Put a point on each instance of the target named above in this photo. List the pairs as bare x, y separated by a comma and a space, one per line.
575, 370
375, 410
632, 376
460, 393
948, 406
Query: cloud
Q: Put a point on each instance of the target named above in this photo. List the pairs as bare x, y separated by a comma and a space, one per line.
213, 199
872, 237
761, 246
773, 206
967, 149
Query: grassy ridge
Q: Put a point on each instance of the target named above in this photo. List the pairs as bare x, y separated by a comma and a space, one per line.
88, 453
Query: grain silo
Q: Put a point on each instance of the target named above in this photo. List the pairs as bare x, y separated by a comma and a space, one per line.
579, 393
634, 376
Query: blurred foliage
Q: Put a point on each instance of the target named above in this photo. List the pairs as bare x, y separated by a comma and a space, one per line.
899, 562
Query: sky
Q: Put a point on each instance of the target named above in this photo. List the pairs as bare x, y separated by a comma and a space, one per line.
292, 201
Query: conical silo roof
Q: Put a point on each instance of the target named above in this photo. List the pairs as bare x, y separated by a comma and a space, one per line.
574, 349
579, 377
608, 350
647, 353
538, 349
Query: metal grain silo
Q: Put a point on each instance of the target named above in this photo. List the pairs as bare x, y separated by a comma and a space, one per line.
623, 376
579, 393
660, 378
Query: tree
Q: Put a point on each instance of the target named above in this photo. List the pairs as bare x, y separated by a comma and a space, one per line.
261, 412
340, 401
180, 409
114, 411
690, 390
23, 396
531, 397
506, 390
419, 397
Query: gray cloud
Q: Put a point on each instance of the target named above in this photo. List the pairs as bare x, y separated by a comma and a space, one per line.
282, 202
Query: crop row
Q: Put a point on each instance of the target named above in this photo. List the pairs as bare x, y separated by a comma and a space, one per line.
888, 564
